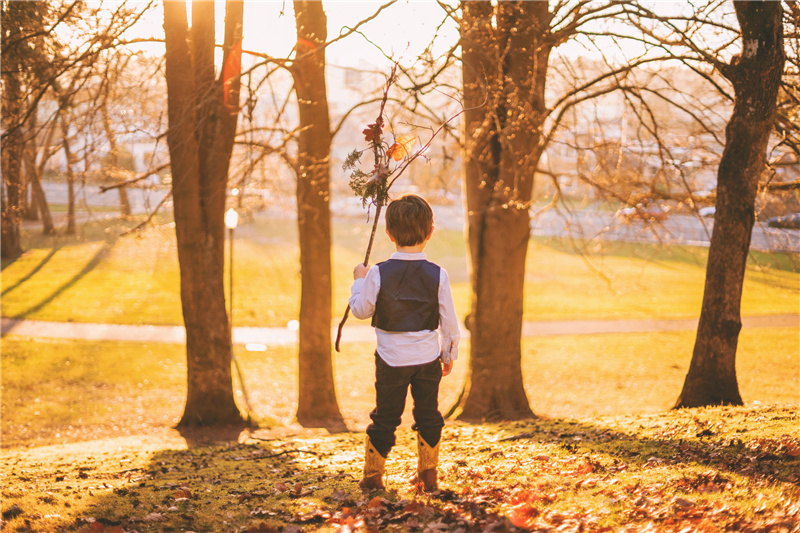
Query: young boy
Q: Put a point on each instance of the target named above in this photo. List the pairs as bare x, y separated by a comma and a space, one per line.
408, 299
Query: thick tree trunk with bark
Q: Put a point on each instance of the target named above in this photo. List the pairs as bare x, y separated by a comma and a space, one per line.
10, 242
756, 78
317, 397
13, 142
504, 66
200, 138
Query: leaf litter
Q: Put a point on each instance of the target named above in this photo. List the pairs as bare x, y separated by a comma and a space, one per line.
721, 469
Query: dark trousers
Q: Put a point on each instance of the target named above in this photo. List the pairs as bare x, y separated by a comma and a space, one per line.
391, 386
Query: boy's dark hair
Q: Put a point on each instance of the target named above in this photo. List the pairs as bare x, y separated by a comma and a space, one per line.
409, 220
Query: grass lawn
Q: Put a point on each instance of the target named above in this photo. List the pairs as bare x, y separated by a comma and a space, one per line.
644, 372
98, 277
87, 445
57, 391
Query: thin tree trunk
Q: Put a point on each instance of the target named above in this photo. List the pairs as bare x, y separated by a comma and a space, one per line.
28, 204
70, 157
32, 212
124, 203
113, 153
200, 150
504, 64
71, 219
756, 79
48, 228
317, 396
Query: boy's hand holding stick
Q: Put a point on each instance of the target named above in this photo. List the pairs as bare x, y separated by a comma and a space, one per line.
447, 367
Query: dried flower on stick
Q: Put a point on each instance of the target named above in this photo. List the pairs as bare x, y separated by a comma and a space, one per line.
389, 162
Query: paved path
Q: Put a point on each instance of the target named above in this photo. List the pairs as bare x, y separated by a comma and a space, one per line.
277, 336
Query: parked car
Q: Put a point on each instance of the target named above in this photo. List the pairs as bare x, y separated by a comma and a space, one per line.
708, 212
641, 212
791, 221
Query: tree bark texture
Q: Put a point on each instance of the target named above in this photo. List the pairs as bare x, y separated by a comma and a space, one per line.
503, 67
12, 148
317, 396
756, 78
200, 138
13, 141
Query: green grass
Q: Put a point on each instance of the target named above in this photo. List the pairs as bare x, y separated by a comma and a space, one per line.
56, 391
640, 373
626, 281
97, 277
86, 445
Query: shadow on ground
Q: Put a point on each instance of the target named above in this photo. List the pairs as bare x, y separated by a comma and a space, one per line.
93, 263
666, 469
689, 442
46, 259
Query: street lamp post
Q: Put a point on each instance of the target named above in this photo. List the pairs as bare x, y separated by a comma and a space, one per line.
231, 221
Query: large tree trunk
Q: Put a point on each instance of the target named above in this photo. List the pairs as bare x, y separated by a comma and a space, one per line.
317, 397
10, 243
756, 78
200, 138
12, 143
504, 67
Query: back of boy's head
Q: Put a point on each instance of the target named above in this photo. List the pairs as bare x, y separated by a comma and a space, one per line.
409, 220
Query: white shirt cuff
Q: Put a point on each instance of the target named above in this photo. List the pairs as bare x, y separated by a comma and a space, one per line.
449, 350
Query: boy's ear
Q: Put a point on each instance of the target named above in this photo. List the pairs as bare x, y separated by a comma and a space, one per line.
390, 235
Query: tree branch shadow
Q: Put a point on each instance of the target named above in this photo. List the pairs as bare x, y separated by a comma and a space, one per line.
46, 259
98, 258
224, 481
698, 445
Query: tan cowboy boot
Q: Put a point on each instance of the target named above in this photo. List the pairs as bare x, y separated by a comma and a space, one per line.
427, 462
374, 467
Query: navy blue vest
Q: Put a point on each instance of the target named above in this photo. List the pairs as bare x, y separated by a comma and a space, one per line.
409, 296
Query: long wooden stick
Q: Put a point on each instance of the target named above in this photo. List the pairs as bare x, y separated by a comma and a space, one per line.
376, 149
366, 263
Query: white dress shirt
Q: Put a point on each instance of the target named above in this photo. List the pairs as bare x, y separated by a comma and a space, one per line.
409, 347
